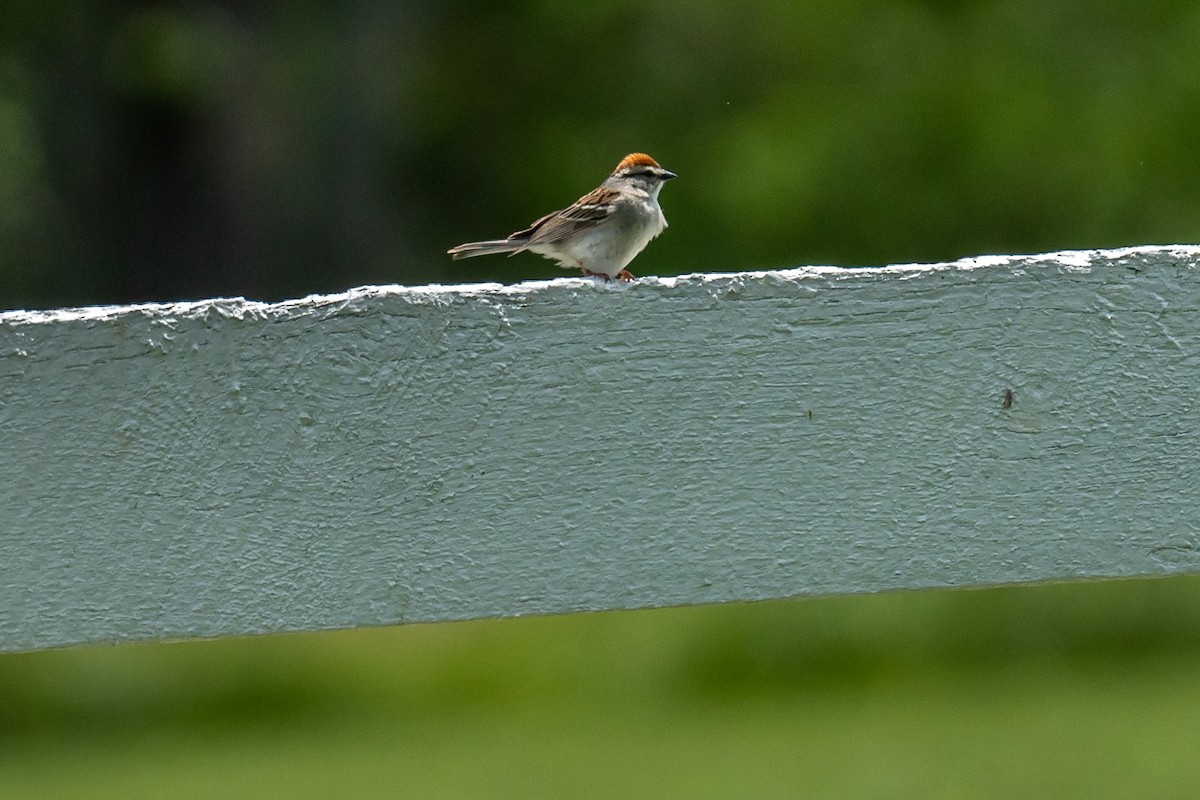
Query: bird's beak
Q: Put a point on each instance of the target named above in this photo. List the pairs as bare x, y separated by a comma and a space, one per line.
667, 175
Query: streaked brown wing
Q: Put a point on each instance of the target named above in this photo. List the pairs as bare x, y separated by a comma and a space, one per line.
584, 213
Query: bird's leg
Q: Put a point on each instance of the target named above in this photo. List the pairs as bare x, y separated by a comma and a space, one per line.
625, 275
587, 273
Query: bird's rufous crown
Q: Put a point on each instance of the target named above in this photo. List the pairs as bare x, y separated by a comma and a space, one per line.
636, 160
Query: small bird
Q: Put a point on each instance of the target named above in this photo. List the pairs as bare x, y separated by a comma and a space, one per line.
601, 232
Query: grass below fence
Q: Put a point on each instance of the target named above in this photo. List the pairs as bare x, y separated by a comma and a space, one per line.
1088, 690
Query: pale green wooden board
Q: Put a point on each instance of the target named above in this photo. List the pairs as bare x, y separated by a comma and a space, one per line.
395, 455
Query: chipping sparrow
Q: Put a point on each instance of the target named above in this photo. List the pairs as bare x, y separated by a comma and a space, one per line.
601, 232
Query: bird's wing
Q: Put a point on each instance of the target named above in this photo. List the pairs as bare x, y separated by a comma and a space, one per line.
583, 213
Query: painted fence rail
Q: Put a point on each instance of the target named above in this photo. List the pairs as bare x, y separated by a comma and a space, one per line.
393, 455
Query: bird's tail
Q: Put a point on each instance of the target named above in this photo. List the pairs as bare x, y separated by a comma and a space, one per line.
472, 249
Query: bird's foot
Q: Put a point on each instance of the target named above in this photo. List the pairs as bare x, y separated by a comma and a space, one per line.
587, 273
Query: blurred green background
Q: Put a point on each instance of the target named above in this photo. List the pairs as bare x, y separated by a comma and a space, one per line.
192, 149
271, 150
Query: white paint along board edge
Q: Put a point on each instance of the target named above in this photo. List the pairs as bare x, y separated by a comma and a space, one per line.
391, 455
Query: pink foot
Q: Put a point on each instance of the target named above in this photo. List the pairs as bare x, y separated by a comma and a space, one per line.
587, 273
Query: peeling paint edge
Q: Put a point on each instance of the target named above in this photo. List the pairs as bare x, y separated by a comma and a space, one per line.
241, 308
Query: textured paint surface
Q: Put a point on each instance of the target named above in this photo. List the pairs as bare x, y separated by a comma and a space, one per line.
394, 455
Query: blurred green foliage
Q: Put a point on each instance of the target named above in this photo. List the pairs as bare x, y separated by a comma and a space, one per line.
191, 149
1085, 690
187, 149
673, 656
